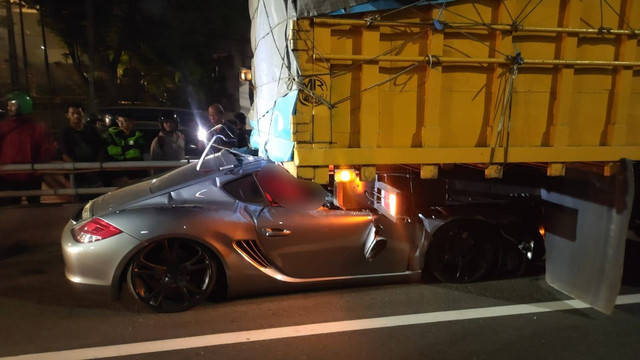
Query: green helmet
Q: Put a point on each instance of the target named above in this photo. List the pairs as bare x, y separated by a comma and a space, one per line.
25, 104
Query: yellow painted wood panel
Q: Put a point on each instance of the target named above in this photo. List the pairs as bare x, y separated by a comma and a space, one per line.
390, 104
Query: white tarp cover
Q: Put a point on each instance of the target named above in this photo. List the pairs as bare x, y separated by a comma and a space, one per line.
275, 70
274, 67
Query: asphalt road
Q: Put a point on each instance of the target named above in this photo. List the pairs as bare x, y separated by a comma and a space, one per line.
40, 313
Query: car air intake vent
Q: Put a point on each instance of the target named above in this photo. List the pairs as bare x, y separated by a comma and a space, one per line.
250, 250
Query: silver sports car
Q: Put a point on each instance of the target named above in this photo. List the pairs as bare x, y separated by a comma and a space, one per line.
242, 225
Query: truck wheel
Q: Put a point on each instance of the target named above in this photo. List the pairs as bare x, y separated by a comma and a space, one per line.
462, 254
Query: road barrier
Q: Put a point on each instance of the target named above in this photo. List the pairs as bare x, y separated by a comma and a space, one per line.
72, 168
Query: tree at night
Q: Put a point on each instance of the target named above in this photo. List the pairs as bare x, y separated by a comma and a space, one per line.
150, 51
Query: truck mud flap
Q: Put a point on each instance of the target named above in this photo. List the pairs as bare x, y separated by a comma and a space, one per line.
586, 216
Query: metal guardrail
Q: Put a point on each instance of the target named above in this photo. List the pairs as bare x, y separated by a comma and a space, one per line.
94, 166
80, 167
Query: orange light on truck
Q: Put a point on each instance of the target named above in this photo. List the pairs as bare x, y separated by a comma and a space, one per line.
358, 185
542, 231
345, 175
389, 202
392, 204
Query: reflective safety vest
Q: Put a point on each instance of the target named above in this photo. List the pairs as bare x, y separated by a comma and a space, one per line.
123, 147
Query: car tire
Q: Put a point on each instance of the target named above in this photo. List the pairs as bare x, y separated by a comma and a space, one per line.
172, 275
461, 253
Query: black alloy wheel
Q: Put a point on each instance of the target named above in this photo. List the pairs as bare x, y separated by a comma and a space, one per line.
172, 275
461, 254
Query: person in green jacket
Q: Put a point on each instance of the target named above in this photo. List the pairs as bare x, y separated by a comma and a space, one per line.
125, 143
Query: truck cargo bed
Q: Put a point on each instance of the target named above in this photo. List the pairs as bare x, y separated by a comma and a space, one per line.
481, 82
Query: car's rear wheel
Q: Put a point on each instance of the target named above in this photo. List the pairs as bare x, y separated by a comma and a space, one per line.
461, 253
172, 275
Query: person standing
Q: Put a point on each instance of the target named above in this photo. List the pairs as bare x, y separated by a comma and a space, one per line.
23, 140
169, 144
243, 133
81, 142
125, 143
225, 132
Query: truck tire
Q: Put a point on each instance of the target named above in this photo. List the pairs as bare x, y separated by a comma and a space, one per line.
461, 253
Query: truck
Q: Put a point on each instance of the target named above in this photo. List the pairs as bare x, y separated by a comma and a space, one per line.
514, 119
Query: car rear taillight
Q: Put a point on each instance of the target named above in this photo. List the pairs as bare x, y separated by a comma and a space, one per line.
94, 230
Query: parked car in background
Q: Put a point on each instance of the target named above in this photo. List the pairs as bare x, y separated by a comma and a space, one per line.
147, 122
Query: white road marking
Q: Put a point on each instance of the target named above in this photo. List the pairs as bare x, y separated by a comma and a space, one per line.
311, 329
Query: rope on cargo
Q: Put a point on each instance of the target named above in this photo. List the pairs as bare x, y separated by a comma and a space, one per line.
374, 85
618, 14
373, 58
529, 13
371, 19
271, 29
506, 106
472, 22
602, 28
276, 81
475, 22
436, 21
514, 23
504, 3
470, 36
356, 64
480, 41
428, 57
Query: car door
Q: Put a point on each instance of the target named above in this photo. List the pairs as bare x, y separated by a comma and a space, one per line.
324, 243
307, 243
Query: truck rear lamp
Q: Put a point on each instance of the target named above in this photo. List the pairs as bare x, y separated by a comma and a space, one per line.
389, 202
345, 175
94, 230
542, 231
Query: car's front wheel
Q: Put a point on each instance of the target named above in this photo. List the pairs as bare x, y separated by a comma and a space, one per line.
172, 275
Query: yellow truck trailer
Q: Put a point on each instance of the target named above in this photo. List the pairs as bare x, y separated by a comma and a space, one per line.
370, 86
